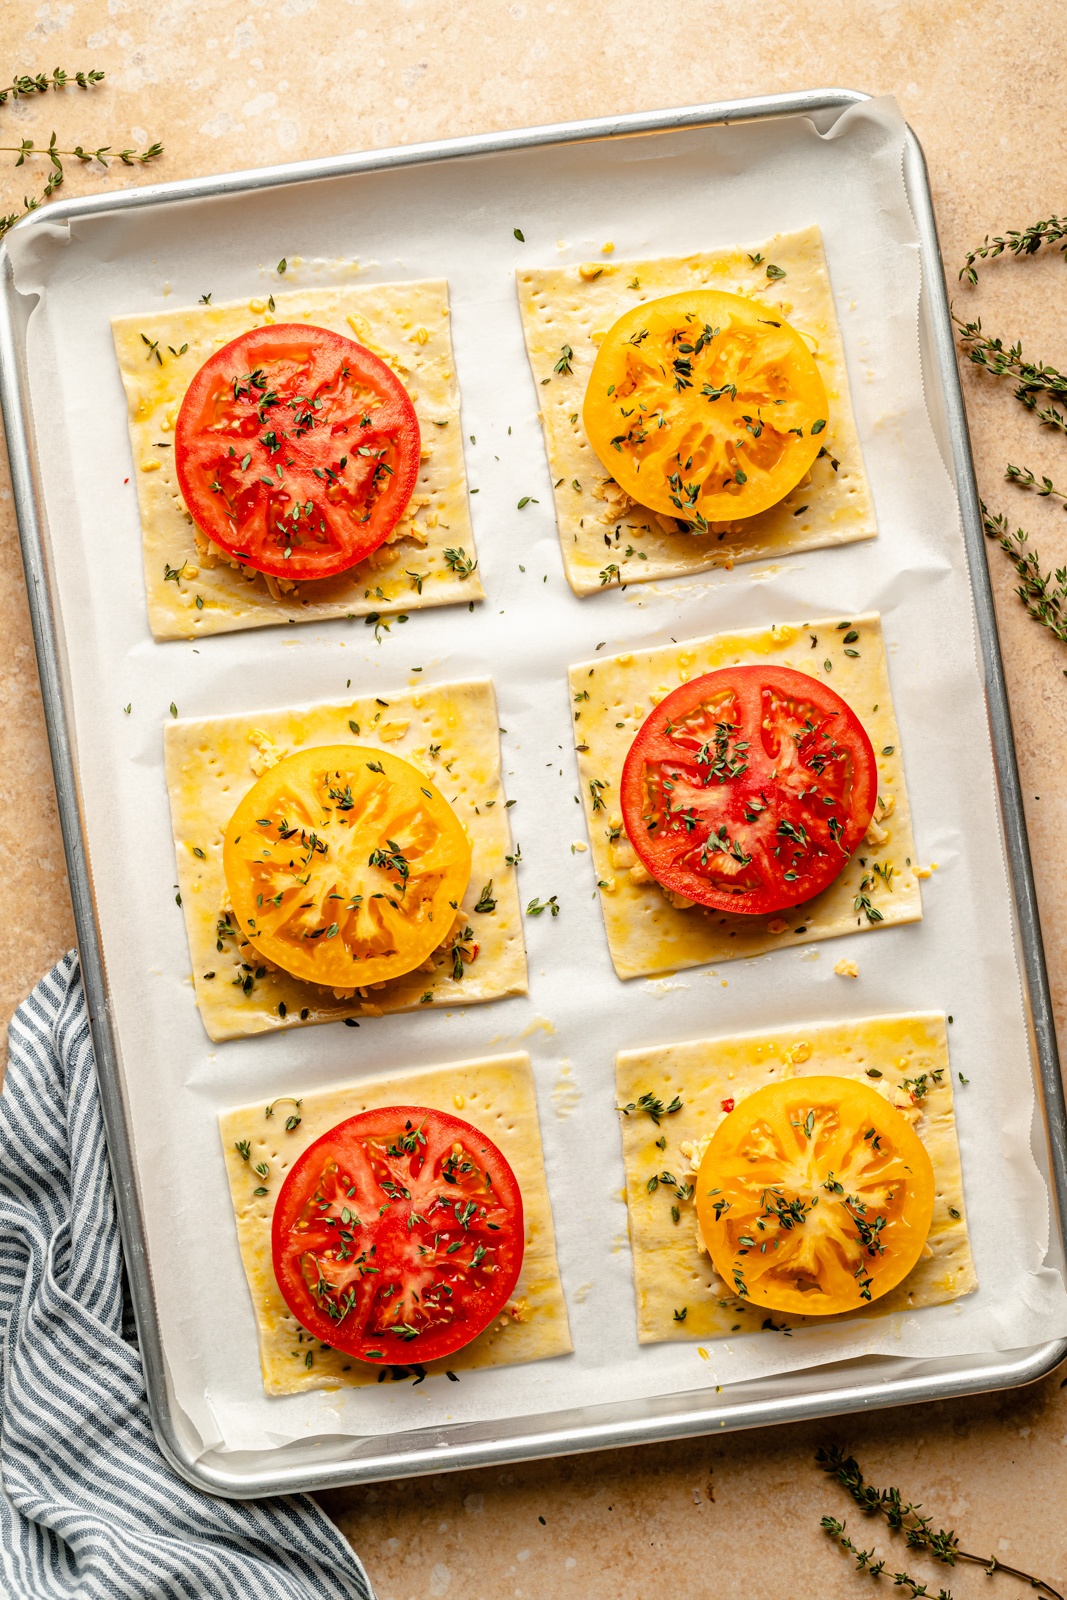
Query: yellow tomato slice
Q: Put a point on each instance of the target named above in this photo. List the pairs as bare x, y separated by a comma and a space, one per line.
815, 1195
345, 865
705, 406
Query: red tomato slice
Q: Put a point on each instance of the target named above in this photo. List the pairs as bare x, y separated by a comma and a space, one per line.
749, 788
296, 450
398, 1236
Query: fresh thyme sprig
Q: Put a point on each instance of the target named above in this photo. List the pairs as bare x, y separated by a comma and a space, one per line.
866, 1562
1033, 377
459, 562
1043, 594
104, 153
1048, 416
1019, 241
919, 1533
1026, 480
653, 1105
40, 83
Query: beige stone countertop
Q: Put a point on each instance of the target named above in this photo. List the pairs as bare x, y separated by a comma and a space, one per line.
238, 83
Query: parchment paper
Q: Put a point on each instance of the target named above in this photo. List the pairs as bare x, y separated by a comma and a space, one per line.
650, 195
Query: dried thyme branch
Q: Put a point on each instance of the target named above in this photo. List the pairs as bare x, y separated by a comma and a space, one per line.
905, 1517
1043, 595
1019, 241
40, 83
1026, 480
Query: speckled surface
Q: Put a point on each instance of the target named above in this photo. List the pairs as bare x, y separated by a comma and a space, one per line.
239, 83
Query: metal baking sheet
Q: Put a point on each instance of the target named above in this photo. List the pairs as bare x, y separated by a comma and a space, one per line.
818, 1391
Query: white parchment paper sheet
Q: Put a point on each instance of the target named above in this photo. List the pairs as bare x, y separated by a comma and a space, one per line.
650, 195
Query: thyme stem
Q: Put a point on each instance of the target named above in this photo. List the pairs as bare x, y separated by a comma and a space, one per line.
905, 1517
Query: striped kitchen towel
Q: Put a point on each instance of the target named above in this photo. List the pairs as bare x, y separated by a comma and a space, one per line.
88, 1506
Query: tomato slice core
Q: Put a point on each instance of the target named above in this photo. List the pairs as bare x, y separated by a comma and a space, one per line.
706, 406
398, 1235
345, 865
296, 450
815, 1196
747, 789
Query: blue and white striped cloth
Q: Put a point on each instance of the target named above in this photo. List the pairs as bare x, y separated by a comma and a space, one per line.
89, 1510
